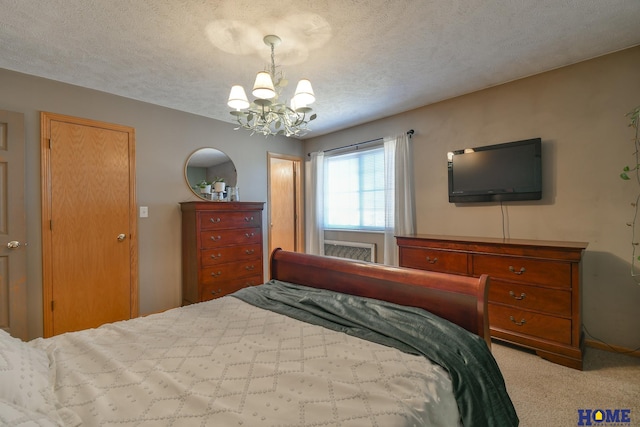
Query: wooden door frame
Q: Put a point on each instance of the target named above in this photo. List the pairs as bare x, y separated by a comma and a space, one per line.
45, 175
299, 205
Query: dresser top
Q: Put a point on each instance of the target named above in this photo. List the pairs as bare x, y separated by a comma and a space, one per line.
220, 206
497, 241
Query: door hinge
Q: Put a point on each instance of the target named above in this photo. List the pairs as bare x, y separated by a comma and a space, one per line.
49, 143
51, 224
52, 305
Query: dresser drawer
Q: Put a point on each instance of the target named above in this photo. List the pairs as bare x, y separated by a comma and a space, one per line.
529, 323
225, 272
211, 220
434, 260
219, 238
220, 289
552, 301
229, 254
524, 270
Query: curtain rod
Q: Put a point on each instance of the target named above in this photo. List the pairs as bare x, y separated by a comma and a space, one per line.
410, 132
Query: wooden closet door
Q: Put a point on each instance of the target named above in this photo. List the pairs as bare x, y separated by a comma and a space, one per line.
285, 203
89, 224
13, 231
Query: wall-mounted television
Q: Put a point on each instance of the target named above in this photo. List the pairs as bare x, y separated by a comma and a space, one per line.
496, 173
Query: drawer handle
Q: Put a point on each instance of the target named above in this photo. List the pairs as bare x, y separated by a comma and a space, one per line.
214, 220
248, 218
214, 274
250, 267
432, 261
249, 251
214, 256
214, 292
215, 239
519, 272
520, 297
520, 323
249, 234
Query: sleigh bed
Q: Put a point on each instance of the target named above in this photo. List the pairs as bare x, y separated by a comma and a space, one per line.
326, 342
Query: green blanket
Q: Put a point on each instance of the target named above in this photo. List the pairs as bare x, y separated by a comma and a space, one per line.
477, 382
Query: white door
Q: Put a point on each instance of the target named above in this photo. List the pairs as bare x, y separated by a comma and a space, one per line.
13, 272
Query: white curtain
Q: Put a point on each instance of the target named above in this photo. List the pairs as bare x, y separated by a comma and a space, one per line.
315, 205
399, 194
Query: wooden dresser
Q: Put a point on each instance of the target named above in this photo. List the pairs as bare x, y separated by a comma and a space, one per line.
221, 248
534, 291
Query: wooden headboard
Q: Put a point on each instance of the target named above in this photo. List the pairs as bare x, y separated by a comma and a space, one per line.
459, 299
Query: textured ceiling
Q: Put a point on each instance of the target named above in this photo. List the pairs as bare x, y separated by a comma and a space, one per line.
367, 59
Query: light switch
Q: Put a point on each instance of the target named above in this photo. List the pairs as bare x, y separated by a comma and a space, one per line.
144, 212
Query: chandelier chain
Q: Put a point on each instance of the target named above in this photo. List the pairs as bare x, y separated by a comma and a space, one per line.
273, 62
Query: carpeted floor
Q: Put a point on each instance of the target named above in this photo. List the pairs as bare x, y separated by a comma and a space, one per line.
549, 395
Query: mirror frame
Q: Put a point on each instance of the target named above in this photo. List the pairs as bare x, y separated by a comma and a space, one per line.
212, 157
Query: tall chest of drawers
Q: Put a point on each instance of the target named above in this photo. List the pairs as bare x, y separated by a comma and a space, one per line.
221, 248
534, 291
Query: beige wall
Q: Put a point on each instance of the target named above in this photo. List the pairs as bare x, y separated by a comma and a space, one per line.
579, 112
164, 140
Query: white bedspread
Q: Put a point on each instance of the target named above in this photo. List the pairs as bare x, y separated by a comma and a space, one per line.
227, 363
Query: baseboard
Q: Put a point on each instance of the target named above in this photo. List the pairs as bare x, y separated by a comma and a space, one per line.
612, 348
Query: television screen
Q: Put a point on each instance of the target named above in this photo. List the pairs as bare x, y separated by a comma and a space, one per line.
500, 172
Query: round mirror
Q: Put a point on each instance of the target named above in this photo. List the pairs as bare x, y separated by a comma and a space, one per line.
206, 167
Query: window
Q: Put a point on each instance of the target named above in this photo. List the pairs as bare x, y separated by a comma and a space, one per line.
354, 190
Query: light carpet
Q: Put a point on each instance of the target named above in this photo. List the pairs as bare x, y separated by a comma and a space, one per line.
548, 394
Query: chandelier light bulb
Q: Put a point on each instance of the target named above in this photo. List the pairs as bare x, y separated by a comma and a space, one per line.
238, 98
263, 86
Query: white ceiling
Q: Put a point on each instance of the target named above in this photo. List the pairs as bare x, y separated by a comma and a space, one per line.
367, 59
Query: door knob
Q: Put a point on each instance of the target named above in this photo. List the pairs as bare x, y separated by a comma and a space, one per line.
13, 244
121, 237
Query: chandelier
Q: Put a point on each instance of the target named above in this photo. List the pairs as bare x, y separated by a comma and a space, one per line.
267, 114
